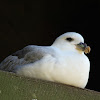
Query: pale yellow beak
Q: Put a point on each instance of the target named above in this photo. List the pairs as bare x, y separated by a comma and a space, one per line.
83, 47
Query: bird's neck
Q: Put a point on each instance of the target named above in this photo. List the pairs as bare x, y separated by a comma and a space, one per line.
67, 48
63, 47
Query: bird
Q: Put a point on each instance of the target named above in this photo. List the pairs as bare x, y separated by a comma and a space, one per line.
65, 61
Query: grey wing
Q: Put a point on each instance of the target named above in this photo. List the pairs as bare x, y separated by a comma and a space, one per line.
27, 55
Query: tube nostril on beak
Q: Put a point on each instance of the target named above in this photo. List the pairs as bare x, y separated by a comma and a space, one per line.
82, 45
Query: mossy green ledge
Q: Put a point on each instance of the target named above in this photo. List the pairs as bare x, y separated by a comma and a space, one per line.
14, 87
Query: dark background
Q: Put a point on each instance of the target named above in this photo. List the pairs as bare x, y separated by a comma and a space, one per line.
39, 22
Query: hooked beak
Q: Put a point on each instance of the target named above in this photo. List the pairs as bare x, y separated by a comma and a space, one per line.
83, 47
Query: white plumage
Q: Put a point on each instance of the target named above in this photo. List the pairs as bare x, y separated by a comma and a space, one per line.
64, 61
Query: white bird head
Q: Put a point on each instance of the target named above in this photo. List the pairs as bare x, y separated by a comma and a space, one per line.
71, 41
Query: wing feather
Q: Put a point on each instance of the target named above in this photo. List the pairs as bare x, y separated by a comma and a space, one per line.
27, 55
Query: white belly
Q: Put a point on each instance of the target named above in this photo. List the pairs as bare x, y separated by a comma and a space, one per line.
72, 72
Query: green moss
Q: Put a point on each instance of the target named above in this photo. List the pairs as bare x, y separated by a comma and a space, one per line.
13, 87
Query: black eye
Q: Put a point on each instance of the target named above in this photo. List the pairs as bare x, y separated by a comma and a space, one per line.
69, 39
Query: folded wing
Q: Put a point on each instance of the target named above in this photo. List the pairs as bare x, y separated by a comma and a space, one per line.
29, 54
